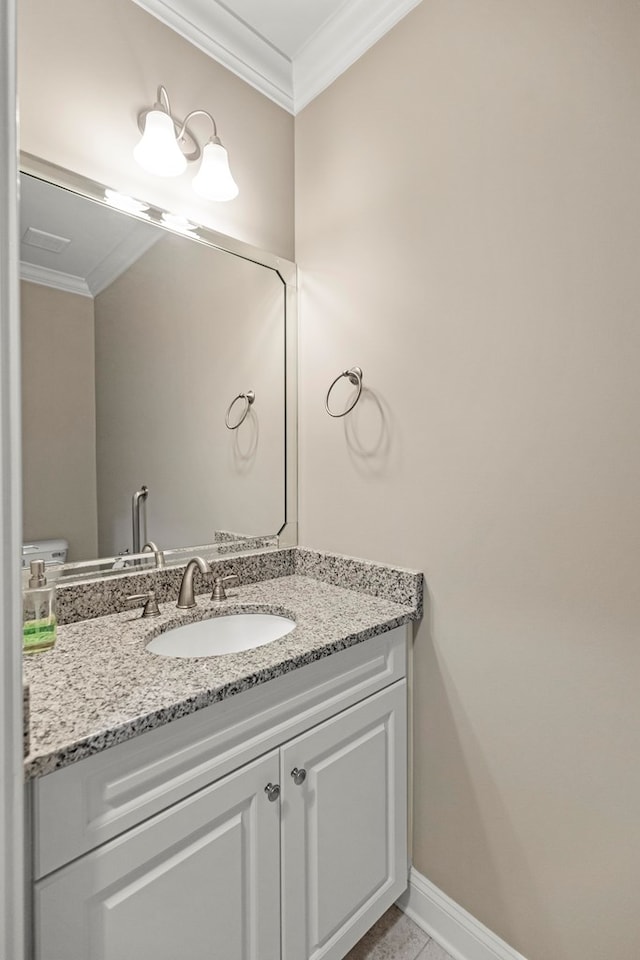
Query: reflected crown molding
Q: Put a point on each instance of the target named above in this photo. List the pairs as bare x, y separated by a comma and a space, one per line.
118, 260
291, 83
54, 278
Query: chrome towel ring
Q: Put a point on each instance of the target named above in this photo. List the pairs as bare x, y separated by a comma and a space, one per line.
354, 376
248, 398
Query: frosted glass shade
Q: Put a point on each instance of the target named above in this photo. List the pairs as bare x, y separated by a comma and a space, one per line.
213, 180
158, 151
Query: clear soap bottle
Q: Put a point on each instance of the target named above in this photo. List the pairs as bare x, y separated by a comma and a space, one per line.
38, 611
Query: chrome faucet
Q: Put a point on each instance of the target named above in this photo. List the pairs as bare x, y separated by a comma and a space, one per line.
151, 547
186, 599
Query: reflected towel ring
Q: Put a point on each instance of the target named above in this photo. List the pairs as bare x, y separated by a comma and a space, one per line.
248, 398
354, 376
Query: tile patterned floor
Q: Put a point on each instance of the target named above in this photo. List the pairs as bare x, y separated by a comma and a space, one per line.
395, 937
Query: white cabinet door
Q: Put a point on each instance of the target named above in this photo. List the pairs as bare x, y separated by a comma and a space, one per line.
344, 828
198, 881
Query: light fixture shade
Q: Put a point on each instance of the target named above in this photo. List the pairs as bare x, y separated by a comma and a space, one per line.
158, 151
213, 180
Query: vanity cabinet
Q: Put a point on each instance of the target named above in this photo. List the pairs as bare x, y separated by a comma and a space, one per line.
291, 849
343, 830
199, 880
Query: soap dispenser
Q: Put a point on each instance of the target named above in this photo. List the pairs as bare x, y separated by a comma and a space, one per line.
38, 611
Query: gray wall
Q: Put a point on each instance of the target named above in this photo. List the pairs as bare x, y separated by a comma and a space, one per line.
468, 210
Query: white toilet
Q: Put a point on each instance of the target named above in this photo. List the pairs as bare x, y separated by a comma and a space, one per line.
51, 551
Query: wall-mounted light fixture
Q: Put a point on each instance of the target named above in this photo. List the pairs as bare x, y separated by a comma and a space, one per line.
167, 145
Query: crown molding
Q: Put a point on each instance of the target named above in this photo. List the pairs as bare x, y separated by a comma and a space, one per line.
291, 84
116, 262
341, 41
225, 38
54, 278
123, 255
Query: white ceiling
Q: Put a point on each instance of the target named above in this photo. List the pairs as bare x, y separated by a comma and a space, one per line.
290, 50
287, 24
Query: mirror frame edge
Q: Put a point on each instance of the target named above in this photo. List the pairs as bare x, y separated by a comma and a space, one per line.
286, 269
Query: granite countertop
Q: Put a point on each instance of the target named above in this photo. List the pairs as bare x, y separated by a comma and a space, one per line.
99, 686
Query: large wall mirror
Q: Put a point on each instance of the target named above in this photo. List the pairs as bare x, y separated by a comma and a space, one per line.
156, 354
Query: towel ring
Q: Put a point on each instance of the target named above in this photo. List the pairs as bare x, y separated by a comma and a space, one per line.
354, 376
248, 398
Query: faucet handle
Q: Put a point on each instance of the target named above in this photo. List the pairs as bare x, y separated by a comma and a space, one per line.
219, 593
151, 608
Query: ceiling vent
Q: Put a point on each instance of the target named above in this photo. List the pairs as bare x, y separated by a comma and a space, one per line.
45, 241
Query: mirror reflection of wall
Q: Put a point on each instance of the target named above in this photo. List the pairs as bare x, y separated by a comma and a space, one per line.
58, 418
126, 382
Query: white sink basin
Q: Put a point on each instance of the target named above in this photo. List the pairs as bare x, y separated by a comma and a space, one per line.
231, 633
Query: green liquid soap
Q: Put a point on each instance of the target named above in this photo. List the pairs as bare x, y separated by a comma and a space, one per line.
38, 612
39, 635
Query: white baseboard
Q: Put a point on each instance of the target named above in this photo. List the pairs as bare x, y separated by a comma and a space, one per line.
457, 932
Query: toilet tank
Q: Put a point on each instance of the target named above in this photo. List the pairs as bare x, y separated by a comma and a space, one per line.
51, 551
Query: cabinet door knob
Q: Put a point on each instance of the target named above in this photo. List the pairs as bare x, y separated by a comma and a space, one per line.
298, 776
272, 791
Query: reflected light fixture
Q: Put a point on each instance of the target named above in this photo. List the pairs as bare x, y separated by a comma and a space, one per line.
167, 145
128, 204
177, 223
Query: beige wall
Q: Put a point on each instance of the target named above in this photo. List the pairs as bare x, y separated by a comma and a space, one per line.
178, 336
468, 210
58, 419
85, 71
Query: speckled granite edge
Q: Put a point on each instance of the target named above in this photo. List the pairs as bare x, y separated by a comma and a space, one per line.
229, 542
99, 598
40, 766
392, 583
